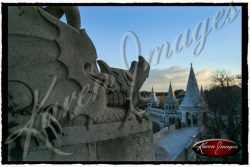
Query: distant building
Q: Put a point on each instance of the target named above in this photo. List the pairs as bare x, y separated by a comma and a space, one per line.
167, 115
189, 112
171, 102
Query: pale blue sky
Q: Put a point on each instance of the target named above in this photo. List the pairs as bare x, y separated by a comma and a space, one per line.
154, 25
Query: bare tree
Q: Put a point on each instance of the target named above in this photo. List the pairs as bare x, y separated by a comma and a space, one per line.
224, 78
225, 106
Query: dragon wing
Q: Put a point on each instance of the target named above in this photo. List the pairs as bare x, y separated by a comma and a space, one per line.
41, 47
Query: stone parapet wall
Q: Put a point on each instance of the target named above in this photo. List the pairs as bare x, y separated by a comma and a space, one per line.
164, 132
187, 154
102, 142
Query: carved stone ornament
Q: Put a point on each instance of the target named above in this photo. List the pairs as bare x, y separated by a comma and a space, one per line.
53, 79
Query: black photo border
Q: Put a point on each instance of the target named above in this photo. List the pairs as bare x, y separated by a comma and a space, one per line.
245, 110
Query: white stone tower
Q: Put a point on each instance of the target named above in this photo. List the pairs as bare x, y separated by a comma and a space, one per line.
193, 105
154, 102
171, 102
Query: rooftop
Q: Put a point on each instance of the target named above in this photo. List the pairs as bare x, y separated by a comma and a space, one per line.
176, 141
192, 96
171, 97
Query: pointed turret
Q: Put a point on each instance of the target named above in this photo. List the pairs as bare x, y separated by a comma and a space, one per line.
171, 96
193, 105
171, 101
192, 95
192, 85
154, 100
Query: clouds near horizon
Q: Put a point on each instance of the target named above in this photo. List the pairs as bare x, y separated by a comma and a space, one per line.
160, 78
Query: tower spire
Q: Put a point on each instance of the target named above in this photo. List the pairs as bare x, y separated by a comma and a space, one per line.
171, 101
192, 95
192, 105
154, 99
170, 93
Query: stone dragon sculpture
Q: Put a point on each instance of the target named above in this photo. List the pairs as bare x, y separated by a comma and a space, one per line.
43, 49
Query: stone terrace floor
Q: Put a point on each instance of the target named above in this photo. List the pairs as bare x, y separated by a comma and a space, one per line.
177, 140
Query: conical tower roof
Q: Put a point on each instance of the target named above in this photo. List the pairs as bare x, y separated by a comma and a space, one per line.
153, 96
171, 97
192, 96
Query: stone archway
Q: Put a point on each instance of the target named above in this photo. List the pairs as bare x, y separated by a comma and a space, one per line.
195, 118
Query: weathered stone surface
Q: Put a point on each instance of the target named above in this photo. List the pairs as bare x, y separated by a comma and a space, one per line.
161, 154
134, 143
137, 147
